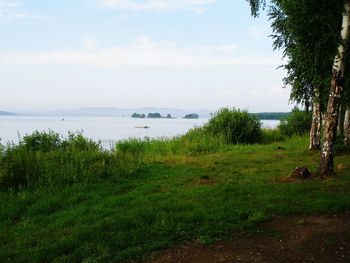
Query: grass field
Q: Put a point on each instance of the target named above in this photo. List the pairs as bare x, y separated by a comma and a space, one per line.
172, 198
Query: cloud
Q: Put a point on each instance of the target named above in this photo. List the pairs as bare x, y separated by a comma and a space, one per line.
11, 11
89, 43
259, 32
144, 52
228, 48
155, 5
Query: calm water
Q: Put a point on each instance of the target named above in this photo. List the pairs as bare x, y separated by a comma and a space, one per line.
107, 129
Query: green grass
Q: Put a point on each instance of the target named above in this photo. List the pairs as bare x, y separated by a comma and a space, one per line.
164, 203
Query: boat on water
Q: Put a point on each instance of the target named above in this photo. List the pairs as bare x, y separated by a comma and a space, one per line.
142, 127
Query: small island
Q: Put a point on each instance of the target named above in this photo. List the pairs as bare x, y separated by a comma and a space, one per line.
157, 115
191, 116
151, 115
138, 115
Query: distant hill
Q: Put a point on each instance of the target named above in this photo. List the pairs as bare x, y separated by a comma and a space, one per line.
7, 113
120, 112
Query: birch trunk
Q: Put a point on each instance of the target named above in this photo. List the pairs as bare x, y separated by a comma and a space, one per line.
347, 126
315, 130
340, 126
334, 100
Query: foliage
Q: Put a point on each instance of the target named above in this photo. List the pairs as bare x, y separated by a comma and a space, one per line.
154, 115
255, 6
40, 141
235, 126
138, 115
46, 159
191, 116
297, 123
308, 32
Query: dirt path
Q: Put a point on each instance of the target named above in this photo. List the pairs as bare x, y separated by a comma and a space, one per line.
299, 239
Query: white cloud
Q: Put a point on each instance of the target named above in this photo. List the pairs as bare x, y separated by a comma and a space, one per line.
259, 32
157, 5
228, 48
89, 43
11, 11
145, 52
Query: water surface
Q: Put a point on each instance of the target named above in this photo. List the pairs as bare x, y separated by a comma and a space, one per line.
107, 129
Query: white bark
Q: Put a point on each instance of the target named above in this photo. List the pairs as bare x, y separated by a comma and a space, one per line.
315, 130
347, 126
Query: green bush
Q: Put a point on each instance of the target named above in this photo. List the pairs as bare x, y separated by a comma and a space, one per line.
297, 123
77, 142
41, 141
47, 159
235, 126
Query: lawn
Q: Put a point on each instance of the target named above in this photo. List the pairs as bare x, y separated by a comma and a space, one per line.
170, 199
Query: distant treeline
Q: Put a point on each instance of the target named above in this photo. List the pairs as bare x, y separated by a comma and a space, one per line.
272, 115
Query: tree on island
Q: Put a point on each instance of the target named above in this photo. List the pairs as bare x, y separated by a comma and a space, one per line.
191, 116
155, 115
137, 115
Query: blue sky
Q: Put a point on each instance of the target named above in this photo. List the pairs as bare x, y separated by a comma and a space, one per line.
191, 54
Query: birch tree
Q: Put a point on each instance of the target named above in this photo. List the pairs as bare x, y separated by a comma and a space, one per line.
334, 99
309, 40
294, 47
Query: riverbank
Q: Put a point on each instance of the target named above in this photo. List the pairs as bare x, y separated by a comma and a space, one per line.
172, 199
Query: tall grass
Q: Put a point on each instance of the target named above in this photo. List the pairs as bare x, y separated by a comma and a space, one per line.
197, 141
47, 159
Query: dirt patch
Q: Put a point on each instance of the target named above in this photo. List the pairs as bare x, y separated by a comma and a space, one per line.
206, 181
341, 167
321, 239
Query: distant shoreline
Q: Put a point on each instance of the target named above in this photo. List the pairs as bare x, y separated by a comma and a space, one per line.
7, 113
119, 112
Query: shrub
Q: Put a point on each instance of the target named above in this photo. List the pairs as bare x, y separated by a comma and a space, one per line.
77, 142
297, 123
235, 126
46, 159
41, 141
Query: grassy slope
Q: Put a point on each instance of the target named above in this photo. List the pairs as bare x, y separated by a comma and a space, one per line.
166, 204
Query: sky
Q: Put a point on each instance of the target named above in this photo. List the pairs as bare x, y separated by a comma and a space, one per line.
188, 54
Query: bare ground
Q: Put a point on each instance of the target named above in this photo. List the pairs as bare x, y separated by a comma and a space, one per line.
319, 239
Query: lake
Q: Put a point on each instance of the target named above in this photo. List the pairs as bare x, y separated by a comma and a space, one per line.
107, 129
